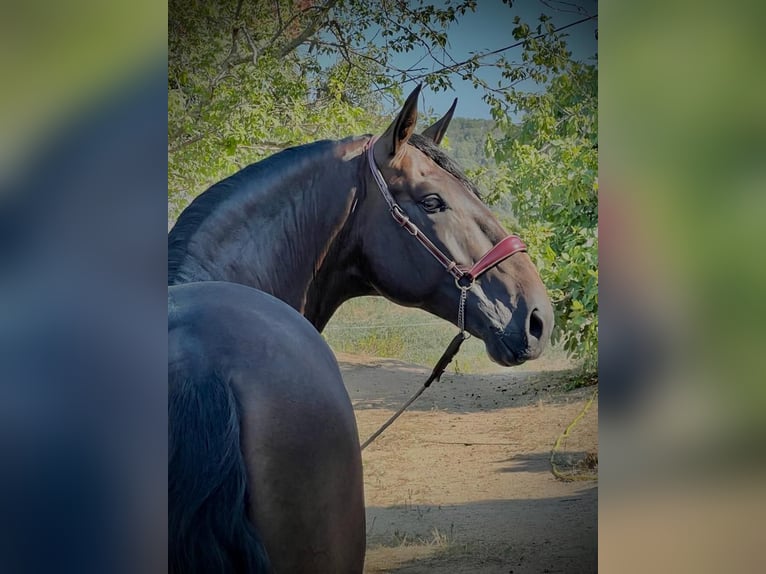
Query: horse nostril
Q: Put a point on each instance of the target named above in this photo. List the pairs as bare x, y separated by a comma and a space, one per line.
535, 324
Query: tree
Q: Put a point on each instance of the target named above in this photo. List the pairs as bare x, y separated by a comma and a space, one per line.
248, 78
549, 169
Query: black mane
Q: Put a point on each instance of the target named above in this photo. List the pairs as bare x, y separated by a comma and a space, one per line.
437, 154
190, 220
256, 177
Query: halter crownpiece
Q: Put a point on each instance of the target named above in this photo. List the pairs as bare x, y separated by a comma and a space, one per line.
508, 246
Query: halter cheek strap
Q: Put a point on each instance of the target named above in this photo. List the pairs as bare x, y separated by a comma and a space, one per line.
508, 246
463, 279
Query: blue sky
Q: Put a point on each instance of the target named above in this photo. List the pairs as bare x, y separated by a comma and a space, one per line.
489, 28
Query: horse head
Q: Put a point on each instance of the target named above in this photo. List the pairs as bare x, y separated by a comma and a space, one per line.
507, 307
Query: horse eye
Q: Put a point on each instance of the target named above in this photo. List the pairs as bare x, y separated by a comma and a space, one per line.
432, 203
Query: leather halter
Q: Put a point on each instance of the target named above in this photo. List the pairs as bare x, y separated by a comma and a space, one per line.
464, 278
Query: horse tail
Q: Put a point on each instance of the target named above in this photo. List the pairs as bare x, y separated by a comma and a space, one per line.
208, 527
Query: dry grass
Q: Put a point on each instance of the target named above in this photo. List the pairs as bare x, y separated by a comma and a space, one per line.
373, 326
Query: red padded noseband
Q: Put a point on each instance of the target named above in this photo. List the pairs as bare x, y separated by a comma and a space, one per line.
508, 246
500, 252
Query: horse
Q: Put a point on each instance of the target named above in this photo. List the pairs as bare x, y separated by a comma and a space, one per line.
310, 226
314, 226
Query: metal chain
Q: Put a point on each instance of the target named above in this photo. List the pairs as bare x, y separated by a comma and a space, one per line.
461, 308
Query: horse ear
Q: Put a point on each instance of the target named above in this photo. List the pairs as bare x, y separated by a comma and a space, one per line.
403, 127
436, 132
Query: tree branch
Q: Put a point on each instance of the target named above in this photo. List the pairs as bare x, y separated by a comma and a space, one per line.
455, 67
238, 11
311, 29
279, 13
252, 45
183, 144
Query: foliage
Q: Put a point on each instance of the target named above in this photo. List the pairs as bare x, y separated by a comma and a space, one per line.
466, 141
549, 169
249, 78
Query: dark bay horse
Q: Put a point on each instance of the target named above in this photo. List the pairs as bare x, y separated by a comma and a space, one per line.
313, 227
264, 462
310, 226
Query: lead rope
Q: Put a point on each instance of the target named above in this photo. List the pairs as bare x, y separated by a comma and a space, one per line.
463, 279
461, 308
446, 358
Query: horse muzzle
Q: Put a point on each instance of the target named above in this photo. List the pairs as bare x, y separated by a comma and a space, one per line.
524, 338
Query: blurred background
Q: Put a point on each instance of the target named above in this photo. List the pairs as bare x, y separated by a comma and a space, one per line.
682, 198
83, 351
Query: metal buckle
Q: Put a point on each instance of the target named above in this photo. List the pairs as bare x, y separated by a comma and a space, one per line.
467, 286
403, 220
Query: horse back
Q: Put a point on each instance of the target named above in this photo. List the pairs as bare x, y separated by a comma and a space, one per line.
298, 436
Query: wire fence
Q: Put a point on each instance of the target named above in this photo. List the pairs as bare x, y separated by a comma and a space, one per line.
376, 327
382, 326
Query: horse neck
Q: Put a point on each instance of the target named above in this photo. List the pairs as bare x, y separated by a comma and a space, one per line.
287, 234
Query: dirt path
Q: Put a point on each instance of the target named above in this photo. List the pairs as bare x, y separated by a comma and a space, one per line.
462, 483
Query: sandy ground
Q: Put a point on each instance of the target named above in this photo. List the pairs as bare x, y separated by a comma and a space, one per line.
462, 482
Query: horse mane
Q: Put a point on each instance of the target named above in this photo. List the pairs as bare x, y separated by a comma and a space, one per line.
258, 177
437, 154
189, 221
